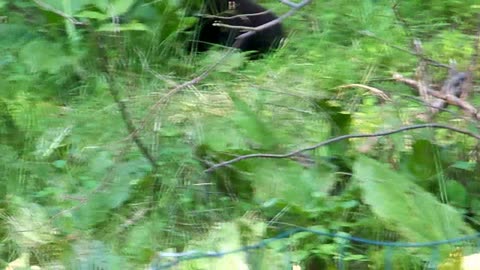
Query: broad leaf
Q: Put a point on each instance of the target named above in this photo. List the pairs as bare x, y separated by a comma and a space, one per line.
408, 209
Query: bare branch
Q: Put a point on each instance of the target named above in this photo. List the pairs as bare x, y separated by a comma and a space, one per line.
422, 73
449, 98
286, 2
451, 86
341, 138
209, 16
252, 30
455, 114
238, 27
454, 85
291, 4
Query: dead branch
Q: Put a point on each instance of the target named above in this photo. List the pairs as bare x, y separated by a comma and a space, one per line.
452, 86
457, 85
450, 98
341, 138
422, 73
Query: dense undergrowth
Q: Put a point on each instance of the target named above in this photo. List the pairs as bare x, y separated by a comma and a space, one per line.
76, 190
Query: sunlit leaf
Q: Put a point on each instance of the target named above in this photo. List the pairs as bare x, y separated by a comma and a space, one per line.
133, 26
92, 15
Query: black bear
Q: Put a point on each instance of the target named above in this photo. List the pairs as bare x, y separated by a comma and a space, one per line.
238, 13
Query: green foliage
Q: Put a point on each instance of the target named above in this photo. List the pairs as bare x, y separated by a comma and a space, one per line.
394, 197
76, 191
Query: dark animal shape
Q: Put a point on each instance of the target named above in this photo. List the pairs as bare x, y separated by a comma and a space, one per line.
238, 13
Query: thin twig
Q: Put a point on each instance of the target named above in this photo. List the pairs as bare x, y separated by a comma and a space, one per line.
238, 27
127, 119
209, 16
291, 4
59, 12
252, 30
399, 18
455, 114
341, 138
422, 74
107, 67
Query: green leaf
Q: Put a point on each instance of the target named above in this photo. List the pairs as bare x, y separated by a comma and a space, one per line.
60, 164
349, 204
416, 214
92, 15
220, 135
422, 161
133, 26
288, 181
101, 163
456, 193
475, 205
464, 165
230, 64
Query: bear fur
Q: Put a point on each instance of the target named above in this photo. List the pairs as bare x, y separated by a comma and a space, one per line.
239, 13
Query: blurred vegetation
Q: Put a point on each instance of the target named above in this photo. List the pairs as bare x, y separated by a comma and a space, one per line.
76, 191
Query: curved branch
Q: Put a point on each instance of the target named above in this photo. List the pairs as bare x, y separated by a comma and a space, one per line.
374, 90
341, 138
252, 31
